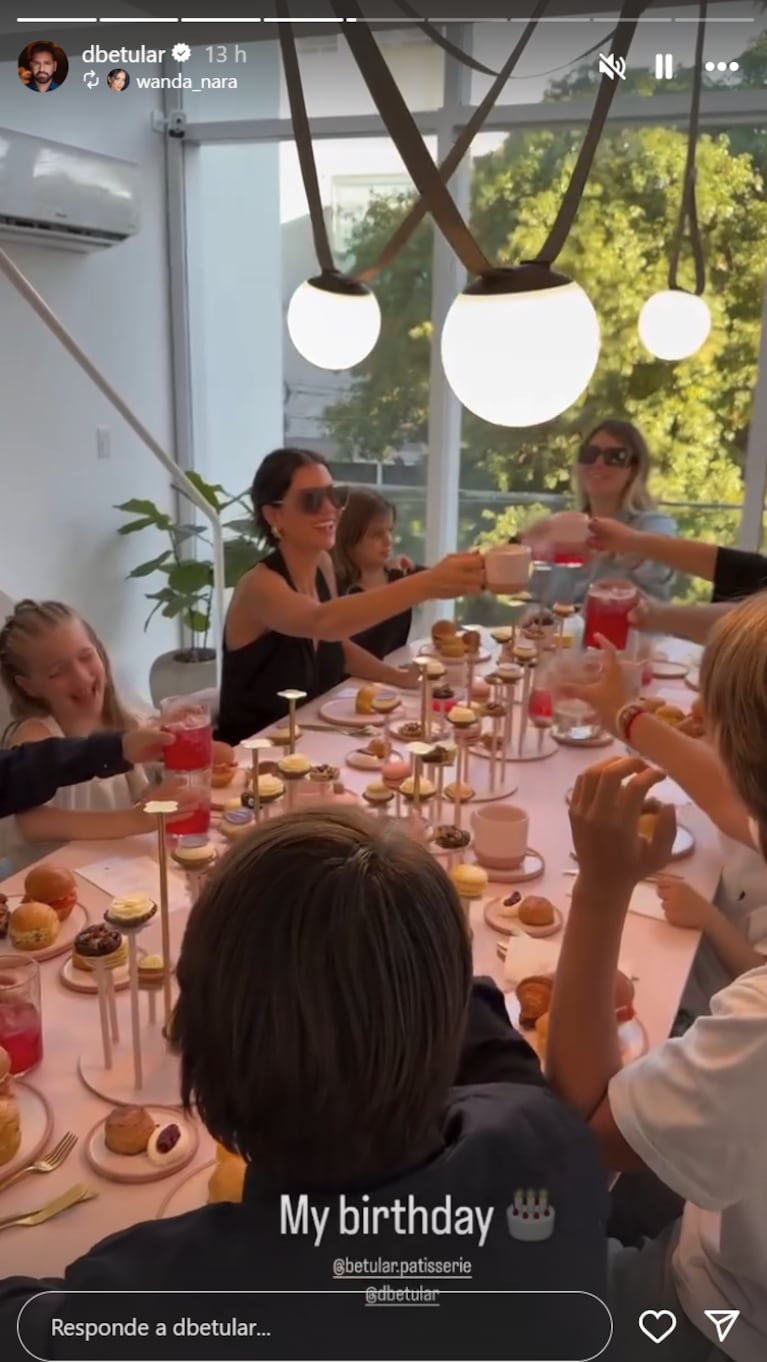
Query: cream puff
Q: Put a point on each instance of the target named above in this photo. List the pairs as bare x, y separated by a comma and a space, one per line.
127, 1130
535, 911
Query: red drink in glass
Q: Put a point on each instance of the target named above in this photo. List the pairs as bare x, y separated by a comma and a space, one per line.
189, 758
540, 705
607, 610
570, 556
21, 1029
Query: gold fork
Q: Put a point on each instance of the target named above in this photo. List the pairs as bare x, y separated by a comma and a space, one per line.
73, 1197
48, 1164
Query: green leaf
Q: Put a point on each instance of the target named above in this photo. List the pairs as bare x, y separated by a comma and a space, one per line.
154, 565
196, 621
134, 525
190, 577
245, 528
210, 491
141, 506
239, 557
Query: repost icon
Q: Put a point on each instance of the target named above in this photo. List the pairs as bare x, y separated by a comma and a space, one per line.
91, 79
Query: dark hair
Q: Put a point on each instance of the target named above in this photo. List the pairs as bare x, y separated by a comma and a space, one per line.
361, 508
34, 48
119, 71
324, 979
273, 478
636, 497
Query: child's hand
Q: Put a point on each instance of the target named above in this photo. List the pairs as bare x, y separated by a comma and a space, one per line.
682, 905
145, 744
605, 807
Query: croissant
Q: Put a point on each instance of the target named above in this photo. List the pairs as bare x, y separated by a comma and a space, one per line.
534, 996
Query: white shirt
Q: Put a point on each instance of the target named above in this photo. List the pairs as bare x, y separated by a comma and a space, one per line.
694, 1111
742, 898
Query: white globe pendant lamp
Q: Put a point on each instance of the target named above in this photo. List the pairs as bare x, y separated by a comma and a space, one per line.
674, 324
520, 345
334, 321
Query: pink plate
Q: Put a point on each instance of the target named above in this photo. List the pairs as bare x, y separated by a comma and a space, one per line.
138, 1168
189, 1194
78, 918
36, 1120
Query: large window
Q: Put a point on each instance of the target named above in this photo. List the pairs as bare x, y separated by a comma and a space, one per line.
374, 422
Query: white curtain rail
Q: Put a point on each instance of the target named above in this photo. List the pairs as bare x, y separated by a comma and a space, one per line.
177, 474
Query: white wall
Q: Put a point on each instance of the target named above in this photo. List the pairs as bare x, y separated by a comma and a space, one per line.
58, 527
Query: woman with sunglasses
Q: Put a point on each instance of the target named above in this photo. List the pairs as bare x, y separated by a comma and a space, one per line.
287, 627
611, 483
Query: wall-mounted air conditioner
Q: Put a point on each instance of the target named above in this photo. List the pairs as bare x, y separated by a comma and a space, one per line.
55, 195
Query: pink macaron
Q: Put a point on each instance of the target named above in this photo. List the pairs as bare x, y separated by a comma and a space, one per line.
480, 689
395, 771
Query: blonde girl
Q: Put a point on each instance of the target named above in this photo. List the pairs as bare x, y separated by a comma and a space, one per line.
59, 682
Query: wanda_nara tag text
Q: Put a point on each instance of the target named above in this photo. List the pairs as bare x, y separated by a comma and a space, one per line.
402, 1216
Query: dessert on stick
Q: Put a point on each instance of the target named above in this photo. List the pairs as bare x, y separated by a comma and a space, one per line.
293, 697
256, 746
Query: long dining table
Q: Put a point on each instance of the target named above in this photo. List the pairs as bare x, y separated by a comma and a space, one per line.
660, 955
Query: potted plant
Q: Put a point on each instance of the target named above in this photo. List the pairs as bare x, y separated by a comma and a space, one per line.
187, 590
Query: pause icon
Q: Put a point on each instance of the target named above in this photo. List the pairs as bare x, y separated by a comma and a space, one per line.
664, 66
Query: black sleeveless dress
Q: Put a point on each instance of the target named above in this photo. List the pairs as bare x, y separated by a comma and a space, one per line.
384, 638
252, 675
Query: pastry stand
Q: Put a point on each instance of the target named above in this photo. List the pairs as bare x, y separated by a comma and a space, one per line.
258, 745
292, 697
422, 663
418, 751
147, 1073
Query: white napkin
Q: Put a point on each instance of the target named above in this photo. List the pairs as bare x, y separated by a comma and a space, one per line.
526, 955
645, 902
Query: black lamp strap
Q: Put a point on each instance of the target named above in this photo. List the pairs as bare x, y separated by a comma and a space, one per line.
439, 39
688, 209
408, 141
626, 28
456, 154
303, 138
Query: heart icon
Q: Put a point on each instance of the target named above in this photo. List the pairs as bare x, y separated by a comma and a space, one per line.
657, 1324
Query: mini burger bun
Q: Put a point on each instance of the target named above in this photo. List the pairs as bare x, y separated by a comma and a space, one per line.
52, 884
33, 926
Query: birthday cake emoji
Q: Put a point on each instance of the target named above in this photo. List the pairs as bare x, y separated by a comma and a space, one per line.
530, 1217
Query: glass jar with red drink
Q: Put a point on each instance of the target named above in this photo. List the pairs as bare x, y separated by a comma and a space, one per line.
189, 759
21, 1027
609, 602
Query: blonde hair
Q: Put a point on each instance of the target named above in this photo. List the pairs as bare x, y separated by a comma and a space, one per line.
733, 687
361, 508
30, 619
636, 496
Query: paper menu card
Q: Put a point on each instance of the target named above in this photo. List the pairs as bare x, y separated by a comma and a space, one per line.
121, 875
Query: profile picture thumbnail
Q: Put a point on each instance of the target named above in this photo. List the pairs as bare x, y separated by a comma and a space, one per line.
118, 79
43, 67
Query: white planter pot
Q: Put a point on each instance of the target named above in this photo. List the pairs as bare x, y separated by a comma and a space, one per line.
171, 674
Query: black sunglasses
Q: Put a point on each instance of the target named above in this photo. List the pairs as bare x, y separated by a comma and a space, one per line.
613, 457
310, 500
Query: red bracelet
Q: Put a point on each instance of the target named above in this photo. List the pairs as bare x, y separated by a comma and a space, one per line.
627, 718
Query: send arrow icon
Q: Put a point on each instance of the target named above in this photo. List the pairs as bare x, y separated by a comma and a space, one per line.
723, 1321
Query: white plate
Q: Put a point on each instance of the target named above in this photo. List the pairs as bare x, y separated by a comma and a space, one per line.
632, 1036
425, 648
684, 842
189, 1194
361, 761
692, 679
137, 1168
84, 981
663, 669
78, 918
341, 711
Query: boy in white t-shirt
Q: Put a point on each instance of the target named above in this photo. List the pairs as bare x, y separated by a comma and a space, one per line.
693, 1110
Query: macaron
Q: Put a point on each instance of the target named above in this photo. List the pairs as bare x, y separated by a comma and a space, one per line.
394, 771
469, 880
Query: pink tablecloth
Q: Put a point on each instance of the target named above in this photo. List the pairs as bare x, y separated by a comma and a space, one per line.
660, 956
